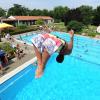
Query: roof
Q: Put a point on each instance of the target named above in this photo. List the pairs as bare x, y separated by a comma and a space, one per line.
14, 18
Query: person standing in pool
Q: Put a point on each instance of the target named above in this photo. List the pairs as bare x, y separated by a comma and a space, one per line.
46, 44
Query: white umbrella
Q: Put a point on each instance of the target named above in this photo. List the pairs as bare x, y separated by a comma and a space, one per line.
98, 29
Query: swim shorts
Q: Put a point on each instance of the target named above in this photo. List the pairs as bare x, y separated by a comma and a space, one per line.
47, 41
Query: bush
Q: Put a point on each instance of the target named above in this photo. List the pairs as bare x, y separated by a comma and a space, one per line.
5, 31
28, 29
92, 34
6, 47
75, 25
39, 22
57, 20
22, 26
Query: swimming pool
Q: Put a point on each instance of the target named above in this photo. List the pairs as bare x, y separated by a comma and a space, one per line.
85, 48
77, 78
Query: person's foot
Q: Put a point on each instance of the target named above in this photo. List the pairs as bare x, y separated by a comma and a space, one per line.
38, 73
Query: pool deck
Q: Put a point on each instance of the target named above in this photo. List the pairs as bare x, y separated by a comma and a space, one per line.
14, 63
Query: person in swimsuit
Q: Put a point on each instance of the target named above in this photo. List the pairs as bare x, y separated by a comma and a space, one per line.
46, 44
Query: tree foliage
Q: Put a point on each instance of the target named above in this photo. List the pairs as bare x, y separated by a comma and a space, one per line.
75, 25
2, 12
18, 10
35, 12
84, 14
96, 20
87, 14
73, 14
39, 22
59, 12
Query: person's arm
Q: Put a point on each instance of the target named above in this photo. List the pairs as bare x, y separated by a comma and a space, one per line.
68, 46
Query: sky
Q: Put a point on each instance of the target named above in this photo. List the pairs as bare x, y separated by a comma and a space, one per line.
48, 4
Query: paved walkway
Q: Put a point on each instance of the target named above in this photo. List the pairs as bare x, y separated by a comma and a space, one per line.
14, 63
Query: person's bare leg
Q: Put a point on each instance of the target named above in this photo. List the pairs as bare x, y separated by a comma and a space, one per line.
38, 55
6, 59
45, 57
1, 68
39, 60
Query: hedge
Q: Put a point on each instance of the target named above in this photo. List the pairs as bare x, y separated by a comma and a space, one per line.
28, 29
19, 30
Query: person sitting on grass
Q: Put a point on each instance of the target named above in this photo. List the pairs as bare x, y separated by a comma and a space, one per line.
45, 45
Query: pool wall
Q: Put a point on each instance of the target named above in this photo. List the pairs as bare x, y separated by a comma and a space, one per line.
11, 80
16, 83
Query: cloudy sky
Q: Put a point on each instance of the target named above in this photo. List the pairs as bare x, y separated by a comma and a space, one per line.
48, 4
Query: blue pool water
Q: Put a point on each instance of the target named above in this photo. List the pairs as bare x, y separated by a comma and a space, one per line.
77, 78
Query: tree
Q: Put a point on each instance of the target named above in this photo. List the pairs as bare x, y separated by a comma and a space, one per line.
75, 25
39, 22
36, 12
51, 13
59, 12
45, 12
18, 10
73, 14
96, 19
2, 12
87, 14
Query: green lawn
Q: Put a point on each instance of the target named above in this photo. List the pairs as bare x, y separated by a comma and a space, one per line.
89, 30
58, 26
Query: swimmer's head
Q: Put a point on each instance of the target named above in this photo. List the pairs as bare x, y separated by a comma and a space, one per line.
60, 58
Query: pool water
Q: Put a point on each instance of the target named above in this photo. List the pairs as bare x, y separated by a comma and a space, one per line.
85, 48
26, 38
74, 79
77, 78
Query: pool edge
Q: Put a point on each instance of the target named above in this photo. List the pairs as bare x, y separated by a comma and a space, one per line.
17, 70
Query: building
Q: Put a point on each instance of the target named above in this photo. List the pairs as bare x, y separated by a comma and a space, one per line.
28, 20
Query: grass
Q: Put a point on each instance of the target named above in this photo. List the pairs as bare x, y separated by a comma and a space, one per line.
90, 30
58, 26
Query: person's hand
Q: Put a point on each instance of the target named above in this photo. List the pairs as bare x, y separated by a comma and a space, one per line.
71, 32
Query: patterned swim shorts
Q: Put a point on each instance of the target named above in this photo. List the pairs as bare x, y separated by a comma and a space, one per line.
50, 43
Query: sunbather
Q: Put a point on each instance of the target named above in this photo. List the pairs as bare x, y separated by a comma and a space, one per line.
19, 53
46, 44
